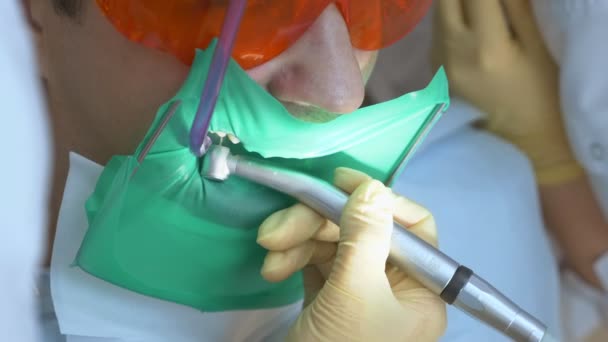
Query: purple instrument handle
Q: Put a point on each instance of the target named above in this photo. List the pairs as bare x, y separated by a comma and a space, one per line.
199, 141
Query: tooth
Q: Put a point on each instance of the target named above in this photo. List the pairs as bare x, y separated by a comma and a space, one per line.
233, 139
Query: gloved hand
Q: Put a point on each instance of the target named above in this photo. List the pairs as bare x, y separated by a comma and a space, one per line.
496, 59
352, 294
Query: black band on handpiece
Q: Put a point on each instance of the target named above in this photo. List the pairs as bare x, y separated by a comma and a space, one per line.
457, 283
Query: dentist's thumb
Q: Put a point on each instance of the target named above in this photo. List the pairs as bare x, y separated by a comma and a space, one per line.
365, 237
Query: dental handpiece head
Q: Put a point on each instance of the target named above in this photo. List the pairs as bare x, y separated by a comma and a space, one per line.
454, 283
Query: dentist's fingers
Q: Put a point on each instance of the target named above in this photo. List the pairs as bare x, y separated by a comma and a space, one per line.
416, 219
293, 226
349, 179
298, 236
487, 19
524, 24
449, 16
280, 265
409, 214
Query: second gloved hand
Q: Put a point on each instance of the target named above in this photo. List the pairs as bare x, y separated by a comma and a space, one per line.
496, 59
352, 293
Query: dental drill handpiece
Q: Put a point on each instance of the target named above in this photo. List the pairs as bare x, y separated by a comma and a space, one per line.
454, 283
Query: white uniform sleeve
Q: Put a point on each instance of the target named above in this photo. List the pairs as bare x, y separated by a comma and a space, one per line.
584, 85
23, 177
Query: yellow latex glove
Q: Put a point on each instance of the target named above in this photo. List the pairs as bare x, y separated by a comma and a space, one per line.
496, 59
352, 294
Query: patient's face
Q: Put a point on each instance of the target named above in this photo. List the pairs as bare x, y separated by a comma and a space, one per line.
105, 90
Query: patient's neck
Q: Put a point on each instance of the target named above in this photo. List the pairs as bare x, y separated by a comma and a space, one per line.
69, 135
60, 173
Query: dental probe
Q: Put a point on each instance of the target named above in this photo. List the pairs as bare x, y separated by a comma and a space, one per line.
454, 283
